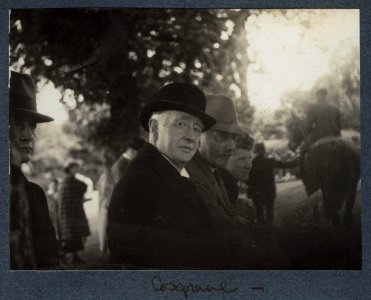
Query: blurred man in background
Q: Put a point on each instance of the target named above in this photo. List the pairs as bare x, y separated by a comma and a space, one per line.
107, 182
261, 184
33, 244
323, 120
238, 166
236, 173
120, 166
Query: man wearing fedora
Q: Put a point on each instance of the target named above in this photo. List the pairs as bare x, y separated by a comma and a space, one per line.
156, 218
33, 243
217, 145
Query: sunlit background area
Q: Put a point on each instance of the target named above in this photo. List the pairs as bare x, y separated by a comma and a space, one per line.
292, 51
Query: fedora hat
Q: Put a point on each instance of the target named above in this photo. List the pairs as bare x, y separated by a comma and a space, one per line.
221, 108
22, 98
181, 97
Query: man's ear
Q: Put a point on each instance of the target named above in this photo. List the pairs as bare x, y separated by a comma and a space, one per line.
153, 127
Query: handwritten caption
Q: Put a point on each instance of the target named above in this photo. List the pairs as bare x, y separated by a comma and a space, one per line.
159, 285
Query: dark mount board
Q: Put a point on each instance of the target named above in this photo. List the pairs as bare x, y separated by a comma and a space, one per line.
144, 284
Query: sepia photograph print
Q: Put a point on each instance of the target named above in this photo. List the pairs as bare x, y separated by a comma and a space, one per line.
145, 139
184, 139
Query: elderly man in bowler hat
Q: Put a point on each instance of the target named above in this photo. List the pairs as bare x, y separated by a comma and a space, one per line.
33, 243
156, 218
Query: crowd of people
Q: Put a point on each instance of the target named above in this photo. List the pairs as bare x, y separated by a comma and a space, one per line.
176, 201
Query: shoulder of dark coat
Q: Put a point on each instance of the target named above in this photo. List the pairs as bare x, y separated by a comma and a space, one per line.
35, 187
149, 165
198, 169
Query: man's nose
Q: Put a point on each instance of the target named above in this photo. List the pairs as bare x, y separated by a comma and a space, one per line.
231, 143
27, 133
190, 134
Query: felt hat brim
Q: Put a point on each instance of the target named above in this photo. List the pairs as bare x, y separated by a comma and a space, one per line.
161, 105
230, 128
32, 115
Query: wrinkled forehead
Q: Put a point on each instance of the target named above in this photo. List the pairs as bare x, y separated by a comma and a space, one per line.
180, 115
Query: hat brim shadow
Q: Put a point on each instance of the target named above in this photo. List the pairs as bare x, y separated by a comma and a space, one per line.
230, 128
32, 115
161, 105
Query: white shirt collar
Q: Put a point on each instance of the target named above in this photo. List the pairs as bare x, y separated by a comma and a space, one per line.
127, 156
183, 172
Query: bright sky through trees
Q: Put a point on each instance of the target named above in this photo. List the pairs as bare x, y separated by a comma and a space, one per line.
48, 102
293, 51
286, 52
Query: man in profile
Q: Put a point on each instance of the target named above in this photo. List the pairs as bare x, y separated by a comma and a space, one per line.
33, 244
156, 218
238, 167
121, 164
217, 145
107, 182
236, 173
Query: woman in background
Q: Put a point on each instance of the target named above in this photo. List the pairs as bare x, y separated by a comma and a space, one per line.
73, 224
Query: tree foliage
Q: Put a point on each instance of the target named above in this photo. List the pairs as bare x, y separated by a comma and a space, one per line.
114, 59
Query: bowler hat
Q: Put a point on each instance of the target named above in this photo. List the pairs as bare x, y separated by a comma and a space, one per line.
181, 97
222, 109
22, 98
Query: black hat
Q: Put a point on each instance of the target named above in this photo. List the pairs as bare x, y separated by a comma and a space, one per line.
22, 98
181, 97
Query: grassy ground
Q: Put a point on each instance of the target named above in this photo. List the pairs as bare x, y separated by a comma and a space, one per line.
294, 242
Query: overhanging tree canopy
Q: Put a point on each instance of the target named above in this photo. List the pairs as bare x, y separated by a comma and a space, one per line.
114, 59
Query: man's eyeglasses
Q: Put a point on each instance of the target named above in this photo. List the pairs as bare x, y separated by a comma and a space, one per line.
221, 136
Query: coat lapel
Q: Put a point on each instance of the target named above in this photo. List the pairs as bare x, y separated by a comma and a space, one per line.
169, 176
206, 175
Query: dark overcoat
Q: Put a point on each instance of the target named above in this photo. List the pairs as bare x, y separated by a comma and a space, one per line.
43, 237
230, 185
213, 194
261, 178
72, 220
156, 218
233, 229
119, 168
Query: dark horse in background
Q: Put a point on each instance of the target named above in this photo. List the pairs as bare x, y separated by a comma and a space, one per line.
331, 164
